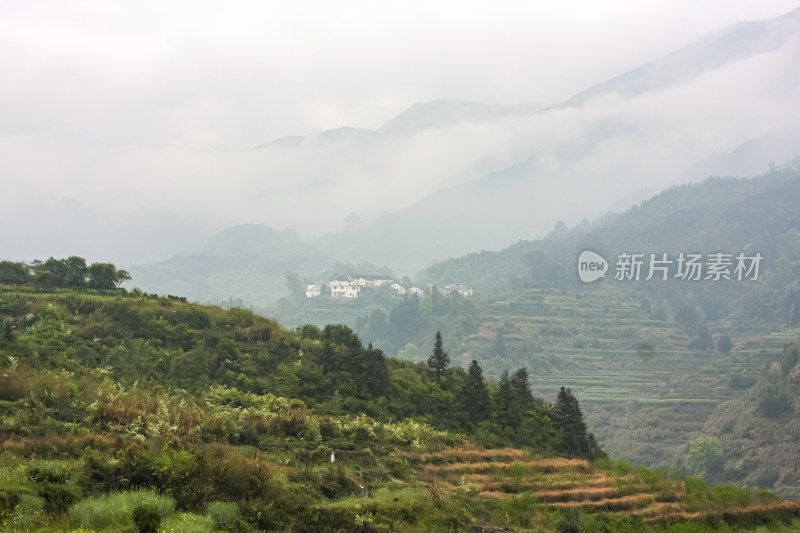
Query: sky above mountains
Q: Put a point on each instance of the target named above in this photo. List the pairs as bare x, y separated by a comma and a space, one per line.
199, 75
131, 125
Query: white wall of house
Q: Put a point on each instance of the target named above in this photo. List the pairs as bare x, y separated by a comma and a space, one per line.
312, 291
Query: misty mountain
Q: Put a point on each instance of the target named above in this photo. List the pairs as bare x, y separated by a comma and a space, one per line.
728, 215
247, 263
442, 113
738, 42
777, 147
566, 174
444, 179
420, 116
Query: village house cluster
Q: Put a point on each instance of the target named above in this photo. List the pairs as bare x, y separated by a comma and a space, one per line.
352, 287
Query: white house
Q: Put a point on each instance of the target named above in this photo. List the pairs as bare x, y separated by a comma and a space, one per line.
368, 281
312, 291
343, 289
399, 289
462, 289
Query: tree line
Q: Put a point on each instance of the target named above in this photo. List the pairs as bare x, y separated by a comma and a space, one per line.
512, 414
69, 273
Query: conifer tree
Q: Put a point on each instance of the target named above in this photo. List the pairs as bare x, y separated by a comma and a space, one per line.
438, 360
476, 395
504, 401
567, 415
521, 387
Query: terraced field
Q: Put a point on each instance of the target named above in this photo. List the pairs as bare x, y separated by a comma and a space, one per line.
534, 487
645, 392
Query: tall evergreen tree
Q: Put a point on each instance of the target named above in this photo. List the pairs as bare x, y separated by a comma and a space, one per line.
567, 415
373, 371
438, 360
521, 387
504, 401
476, 395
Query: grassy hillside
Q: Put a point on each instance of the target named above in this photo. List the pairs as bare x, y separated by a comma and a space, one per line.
130, 412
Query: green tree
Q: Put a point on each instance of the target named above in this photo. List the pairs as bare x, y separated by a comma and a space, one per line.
378, 325
405, 321
13, 273
567, 415
102, 276
724, 344
296, 286
122, 277
410, 352
75, 272
372, 370
476, 395
438, 360
706, 458
703, 341
774, 396
504, 402
521, 387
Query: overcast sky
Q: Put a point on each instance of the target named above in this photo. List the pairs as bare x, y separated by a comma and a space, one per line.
226, 76
117, 104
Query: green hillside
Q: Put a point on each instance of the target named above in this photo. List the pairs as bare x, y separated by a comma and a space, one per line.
754, 436
650, 360
132, 412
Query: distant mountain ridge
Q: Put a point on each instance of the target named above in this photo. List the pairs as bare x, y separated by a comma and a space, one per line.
737, 42
247, 263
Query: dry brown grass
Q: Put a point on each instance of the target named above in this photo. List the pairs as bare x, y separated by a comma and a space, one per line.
494, 494
659, 508
47, 446
578, 495
609, 504
550, 483
466, 454
543, 466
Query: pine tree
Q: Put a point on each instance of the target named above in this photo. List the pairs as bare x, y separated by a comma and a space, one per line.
438, 360
476, 395
567, 415
504, 402
521, 387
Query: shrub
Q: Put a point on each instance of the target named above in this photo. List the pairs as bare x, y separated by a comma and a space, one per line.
146, 519
175, 470
774, 398
697, 493
519, 509
57, 498
225, 516
116, 509
730, 495
48, 471
27, 514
